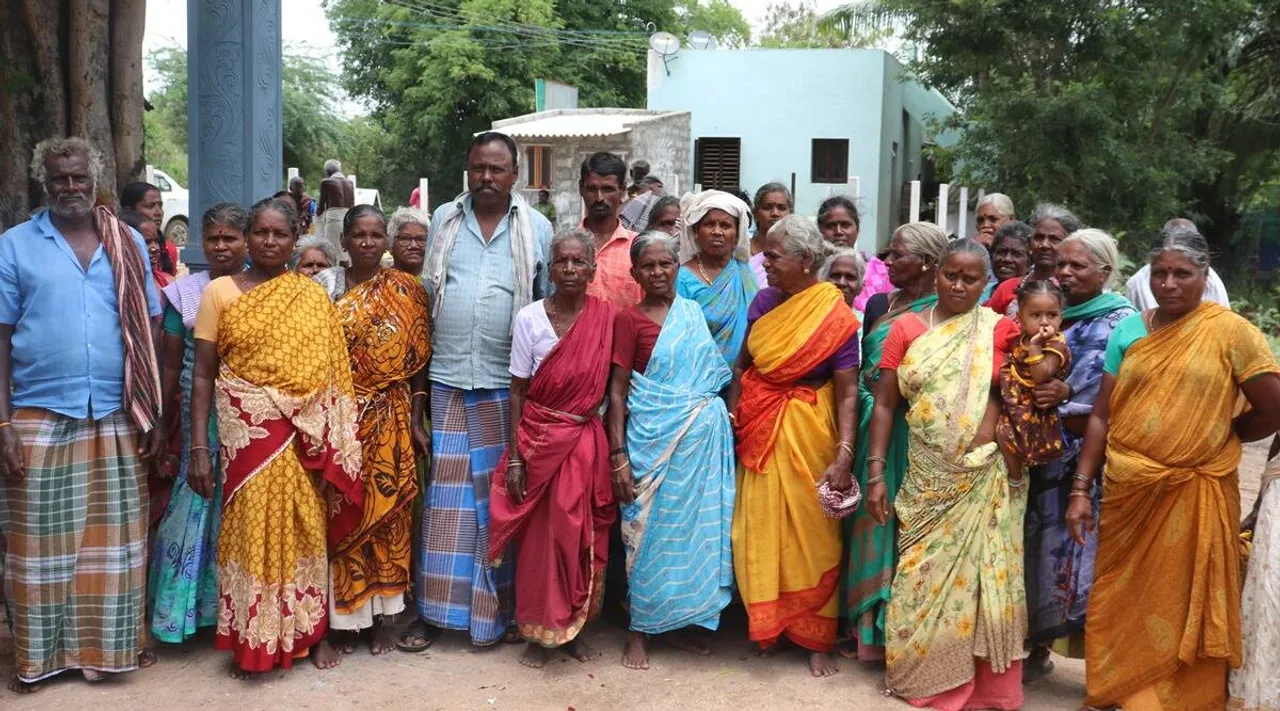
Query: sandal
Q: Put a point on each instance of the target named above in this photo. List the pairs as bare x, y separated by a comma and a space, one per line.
415, 631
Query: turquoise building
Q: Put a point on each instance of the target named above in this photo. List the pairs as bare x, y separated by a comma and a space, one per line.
828, 121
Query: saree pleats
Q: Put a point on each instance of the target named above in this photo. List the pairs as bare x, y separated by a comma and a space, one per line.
286, 419
677, 531
958, 598
873, 549
787, 553
385, 322
559, 533
1164, 613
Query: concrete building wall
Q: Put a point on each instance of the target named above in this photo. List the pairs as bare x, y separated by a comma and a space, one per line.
665, 143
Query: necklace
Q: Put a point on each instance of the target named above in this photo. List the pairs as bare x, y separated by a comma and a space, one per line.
555, 315
702, 273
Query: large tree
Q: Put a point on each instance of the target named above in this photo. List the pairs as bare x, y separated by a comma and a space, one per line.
1129, 112
437, 71
72, 67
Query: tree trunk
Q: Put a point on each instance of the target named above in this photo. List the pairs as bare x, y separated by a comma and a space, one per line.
128, 22
72, 67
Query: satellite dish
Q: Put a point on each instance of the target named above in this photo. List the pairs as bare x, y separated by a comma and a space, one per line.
701, 39
665, 45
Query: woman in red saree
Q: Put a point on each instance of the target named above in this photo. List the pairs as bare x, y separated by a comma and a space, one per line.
555, 505
291, 462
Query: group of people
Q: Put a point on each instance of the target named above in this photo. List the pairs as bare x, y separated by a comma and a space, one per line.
990, 456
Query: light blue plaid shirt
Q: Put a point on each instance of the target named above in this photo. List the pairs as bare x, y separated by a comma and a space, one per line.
471, 337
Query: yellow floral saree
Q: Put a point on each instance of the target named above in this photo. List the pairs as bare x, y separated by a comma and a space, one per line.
286, 423
1164, 615
388, 339
786, 552
957, 614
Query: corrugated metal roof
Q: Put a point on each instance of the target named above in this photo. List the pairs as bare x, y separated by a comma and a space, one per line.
576, 125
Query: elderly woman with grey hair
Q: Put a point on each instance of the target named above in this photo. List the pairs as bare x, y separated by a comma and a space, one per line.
314, 254
407, 230
845, 269
794, 399
1138, 288
1050, 225
671, 446
993, 211
555, 505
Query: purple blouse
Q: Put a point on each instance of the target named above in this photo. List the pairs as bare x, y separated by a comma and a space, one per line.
848, 356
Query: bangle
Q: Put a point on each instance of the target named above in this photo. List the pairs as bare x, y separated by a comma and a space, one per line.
616, 452
1080, 493
874, 458
1033, 360
875, 480
1019, 483
6, 423
622, 466
423, 393
515, 463
1087, 481
847, 447
201, 448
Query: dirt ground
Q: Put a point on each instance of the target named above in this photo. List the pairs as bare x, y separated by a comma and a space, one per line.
452, 675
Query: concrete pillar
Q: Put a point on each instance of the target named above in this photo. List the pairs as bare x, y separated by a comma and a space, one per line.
944, 196
963, 230
913, 215
234, 107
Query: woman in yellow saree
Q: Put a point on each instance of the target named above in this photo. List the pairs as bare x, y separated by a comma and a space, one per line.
1163, 624
794, 396
385, 322
957, 611
291, 461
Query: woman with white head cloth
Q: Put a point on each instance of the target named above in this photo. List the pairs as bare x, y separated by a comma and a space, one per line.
715, 247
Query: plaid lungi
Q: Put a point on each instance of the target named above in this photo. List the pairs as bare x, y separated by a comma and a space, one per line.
76, 527
457, 589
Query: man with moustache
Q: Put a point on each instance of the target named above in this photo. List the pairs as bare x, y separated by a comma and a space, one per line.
79, 407
486, 259
601, 184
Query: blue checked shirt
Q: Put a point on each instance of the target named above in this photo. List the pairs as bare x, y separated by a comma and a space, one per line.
68, 352
471, 337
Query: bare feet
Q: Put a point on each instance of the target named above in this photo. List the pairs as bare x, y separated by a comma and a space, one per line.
580, 651
686, 642
19, 686
324, 656
1037, 665
512, 635
773, 649
92, 675
534, 657
344, 641
635, 655
382, 639
146, 658
821, 664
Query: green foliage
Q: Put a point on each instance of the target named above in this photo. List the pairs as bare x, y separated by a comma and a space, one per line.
1130, 113
798, 25
435, 72
313, 131
1261, 305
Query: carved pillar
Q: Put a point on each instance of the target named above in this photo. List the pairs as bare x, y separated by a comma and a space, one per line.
234, 108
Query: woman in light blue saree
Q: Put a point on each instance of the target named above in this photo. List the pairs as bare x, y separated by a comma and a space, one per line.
715, 247
672, 457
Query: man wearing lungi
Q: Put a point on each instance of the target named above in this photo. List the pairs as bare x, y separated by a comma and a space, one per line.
77, 311
337, 195
487, 259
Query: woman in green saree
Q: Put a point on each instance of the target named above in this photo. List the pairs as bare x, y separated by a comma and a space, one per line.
913, 257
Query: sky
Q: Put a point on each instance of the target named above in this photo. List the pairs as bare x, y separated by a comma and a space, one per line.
306, 30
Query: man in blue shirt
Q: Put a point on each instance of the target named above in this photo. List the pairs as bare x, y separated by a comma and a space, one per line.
78, 384
486, 259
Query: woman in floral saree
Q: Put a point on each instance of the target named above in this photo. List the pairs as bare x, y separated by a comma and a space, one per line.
912, 261
714, 248
183, 585
384, 319
957, 616
554, 508
291, 482
795, 402
673, 446
1164, 613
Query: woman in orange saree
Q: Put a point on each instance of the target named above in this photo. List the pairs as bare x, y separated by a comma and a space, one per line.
385, 321
287, 430
554, 507
1163, 623
794, 396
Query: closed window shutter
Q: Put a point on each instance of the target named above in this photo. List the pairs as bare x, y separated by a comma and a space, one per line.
718, 163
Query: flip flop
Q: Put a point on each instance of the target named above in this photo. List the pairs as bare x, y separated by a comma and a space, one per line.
419, 630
